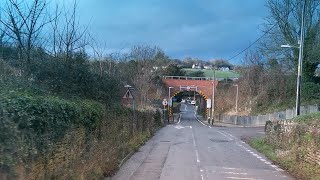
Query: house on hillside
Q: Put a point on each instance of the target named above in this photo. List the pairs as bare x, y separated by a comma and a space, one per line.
224, 69
196, 66
207, 67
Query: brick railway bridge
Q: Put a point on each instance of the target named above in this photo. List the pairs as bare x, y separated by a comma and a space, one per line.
202, 85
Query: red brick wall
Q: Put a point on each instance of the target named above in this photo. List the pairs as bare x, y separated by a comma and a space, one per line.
204, 86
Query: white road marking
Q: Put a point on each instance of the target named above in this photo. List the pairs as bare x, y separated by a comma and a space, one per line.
229, 134
197, 154
178, 127
200, 121
225, 135
179, 118
181, 127
278, 169
228, 168
195, 146
257, 156
234, 173
241, 178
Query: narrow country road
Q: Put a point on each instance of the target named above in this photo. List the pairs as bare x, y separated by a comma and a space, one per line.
192, 150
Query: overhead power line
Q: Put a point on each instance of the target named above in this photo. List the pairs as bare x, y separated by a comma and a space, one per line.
253, 43
258, 39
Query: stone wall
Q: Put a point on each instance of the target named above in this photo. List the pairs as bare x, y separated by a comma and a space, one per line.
260, 120
290, 137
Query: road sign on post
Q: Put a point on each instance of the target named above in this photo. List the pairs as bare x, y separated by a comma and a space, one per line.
128, 95
208, 103
164, 102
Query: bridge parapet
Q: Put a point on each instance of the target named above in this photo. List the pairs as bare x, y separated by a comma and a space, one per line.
188, 78
203, 85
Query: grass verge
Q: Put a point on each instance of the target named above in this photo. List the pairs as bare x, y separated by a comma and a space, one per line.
297, 168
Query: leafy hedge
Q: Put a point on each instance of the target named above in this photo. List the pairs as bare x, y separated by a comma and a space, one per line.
30, 125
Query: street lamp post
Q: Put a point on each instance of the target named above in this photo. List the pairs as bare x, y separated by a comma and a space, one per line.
170, 103
237, 96
213, 91
299, 77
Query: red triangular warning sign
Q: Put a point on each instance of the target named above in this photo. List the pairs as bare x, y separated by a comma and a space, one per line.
128, 95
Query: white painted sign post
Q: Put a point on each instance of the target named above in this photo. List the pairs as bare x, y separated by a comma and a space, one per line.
208, 103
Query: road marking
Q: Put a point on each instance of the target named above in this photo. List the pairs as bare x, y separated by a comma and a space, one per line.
241, 178
202, 177
234, 173
200, 121
195, 146
181, 127
258, 157
229, 134
228, 168
225, 135
278, 169
179, 118
197, 154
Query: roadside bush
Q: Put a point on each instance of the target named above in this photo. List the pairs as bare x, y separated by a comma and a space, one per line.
75, 79
310, 92
30, 125
43, 137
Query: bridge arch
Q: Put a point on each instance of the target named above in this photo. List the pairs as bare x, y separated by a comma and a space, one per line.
202, 85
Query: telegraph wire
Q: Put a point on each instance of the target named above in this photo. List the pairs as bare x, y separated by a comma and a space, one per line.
258, 39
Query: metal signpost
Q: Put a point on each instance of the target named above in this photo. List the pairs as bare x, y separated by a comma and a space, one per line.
164, 103
128, 95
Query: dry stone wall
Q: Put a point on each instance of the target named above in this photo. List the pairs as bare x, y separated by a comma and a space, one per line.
295, 138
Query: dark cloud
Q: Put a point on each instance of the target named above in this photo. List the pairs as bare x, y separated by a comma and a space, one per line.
204, 29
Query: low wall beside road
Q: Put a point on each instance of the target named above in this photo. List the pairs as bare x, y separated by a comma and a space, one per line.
260, 120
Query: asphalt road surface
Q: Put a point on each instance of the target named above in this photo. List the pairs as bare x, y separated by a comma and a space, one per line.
192, 150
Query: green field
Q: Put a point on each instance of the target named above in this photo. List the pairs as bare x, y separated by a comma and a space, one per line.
209, 73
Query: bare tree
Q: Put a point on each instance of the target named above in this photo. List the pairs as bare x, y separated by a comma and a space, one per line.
68, 35
144, 60
286, 14
24, 21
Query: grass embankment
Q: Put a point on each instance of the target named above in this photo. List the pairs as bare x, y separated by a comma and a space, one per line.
293, 157
218, 74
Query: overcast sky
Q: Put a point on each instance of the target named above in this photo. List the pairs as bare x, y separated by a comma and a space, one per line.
204, 29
